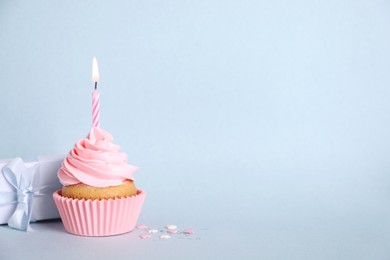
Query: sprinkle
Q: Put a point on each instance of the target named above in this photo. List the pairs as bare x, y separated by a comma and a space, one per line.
172, 231
142, 226
144, 236
153, 231
171, 227
165, 236
188, 232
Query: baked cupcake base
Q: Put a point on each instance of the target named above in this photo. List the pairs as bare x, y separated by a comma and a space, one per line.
105, 217
83, 191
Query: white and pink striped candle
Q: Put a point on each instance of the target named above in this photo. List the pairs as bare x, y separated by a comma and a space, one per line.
95, 95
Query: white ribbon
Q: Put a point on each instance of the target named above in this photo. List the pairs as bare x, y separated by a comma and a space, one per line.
22, 179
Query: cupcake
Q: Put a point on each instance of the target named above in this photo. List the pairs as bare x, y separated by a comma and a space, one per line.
99, 197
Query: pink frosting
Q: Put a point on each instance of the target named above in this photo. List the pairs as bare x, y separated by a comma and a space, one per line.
96, 161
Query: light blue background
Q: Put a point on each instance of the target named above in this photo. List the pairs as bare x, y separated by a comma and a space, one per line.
266, 122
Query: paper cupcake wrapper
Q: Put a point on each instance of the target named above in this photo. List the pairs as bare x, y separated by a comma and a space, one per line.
99, 217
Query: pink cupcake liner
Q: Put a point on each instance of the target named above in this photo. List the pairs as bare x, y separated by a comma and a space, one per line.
99, 217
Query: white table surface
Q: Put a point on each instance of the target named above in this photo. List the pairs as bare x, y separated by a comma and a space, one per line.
261, 216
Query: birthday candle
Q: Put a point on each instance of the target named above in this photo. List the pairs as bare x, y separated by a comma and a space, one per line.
95, 95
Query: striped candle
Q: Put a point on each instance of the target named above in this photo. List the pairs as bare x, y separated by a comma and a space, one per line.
95, 108
95, 95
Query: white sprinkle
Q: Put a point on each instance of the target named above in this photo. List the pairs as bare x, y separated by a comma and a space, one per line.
165, 236
153, 231
171, 227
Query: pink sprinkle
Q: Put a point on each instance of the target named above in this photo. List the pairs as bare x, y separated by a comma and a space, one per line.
188, 232
172, 231
144, 236
142, 226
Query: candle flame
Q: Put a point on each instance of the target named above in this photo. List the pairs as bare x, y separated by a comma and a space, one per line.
95, 71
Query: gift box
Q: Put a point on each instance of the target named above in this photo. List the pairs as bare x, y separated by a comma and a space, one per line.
26, 190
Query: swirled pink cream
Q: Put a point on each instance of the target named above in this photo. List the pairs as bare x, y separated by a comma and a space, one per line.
96, 161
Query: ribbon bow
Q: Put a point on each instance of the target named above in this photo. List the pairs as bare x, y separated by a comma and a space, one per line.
22, 179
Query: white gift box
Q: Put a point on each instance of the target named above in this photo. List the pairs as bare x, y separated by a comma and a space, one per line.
43, 181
